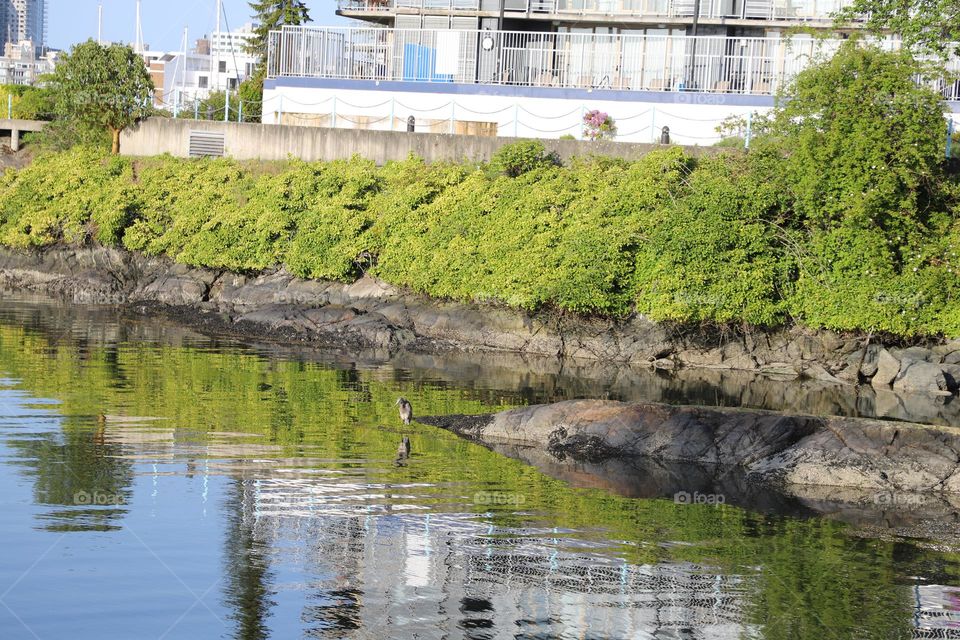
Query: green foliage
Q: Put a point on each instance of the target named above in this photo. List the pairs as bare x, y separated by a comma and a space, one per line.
29, 103
73, 197
841, 215
716, 254
271, 15
105, 88
250, 94
863, 139
926, 26
520, 157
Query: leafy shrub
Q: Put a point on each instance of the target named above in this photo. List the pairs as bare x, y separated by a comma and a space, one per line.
72, 198
520, 157
800, 229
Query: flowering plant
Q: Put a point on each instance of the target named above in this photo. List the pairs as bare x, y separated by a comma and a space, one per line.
598, 125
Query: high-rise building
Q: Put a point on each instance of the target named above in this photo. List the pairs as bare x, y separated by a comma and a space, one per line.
22, 20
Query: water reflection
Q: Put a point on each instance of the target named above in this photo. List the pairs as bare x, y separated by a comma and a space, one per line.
258, 496
508, 377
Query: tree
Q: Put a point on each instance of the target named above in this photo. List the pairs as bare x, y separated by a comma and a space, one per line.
860, 137
105, 88
926, 26
271, 15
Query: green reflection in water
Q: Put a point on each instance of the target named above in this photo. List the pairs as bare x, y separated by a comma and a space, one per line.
809, 578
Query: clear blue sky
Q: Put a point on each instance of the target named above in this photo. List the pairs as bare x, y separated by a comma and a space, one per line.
72, 21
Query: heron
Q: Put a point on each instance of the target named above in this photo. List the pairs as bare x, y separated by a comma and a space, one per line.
406, 410
403, 451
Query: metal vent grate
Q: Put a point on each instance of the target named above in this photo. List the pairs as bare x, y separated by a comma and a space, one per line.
206, 144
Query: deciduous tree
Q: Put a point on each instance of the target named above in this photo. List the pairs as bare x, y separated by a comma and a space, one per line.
101, 88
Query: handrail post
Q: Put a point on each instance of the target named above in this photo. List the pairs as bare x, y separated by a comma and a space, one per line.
950, 138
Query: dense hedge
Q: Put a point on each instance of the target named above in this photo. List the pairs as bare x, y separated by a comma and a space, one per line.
713, 239
842, 215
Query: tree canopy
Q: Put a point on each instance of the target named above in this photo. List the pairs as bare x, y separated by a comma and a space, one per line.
270, 15
926, 26
97, 87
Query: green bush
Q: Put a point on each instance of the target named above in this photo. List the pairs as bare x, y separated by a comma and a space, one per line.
801, 229
515, 159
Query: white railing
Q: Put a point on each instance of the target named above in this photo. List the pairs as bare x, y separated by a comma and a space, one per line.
788, 10
757, 66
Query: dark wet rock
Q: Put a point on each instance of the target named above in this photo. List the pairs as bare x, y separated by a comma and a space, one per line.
275, 305
770, 447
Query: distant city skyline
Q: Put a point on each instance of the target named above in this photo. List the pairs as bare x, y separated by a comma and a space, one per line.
73, 21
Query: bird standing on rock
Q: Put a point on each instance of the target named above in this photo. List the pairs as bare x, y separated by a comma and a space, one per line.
406, 410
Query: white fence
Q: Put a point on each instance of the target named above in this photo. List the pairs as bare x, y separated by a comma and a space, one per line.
800, 10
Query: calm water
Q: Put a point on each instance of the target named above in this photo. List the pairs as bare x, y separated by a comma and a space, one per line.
159, 484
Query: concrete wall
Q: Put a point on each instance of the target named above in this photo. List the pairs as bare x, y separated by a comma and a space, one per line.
270, 142
504, 110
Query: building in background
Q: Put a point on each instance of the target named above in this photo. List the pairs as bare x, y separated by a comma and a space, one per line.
219, 62
20, 64
533, 68
24, 20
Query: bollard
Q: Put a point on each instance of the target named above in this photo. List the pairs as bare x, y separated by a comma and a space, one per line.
411, 124
665, 135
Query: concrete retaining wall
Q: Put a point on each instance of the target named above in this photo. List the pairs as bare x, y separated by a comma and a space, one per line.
271, 142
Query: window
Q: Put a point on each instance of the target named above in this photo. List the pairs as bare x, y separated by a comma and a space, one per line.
203, 82
233, 83
223, 66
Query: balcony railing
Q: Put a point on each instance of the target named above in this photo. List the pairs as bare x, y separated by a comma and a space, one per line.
787, 10
756, 66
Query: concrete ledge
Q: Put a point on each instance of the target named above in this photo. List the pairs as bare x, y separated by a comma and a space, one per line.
273, 142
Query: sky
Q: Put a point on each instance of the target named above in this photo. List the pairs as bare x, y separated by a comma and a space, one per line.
72, 21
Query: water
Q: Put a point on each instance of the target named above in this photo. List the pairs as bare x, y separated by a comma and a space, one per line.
160, 484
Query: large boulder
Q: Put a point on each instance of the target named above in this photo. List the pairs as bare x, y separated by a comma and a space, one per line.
887, 369
923, 377
784, 449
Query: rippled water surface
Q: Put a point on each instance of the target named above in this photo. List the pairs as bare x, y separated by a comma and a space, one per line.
160, 484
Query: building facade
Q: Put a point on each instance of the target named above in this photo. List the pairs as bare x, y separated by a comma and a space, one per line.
24, 20
535, 67
20, 64
219, 62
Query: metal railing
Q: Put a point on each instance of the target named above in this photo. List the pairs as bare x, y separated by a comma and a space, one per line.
757, 66
786, 10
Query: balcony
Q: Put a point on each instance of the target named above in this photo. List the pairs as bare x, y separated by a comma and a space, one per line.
771, 10
592, 62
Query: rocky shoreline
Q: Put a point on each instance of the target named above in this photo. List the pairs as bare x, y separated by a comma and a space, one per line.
372, 314
900, 477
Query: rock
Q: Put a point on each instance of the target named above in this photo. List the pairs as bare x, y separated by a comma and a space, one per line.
922, 376
887, 369
868, 368
915, 354
816, 371
952, 373
952, 357
948, 348
771, 447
